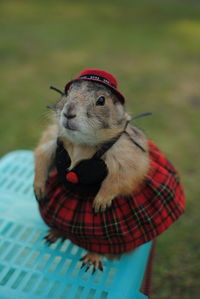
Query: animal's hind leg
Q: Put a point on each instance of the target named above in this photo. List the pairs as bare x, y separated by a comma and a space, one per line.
92, 259
52, 236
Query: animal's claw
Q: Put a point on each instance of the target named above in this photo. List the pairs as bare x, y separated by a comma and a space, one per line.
48, 243
39, 190
52, 237
91, 259
101, 204
82, 258
83, 264
94, 270
100, 266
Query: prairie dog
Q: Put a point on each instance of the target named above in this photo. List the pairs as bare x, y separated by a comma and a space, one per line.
83, 125
87, 116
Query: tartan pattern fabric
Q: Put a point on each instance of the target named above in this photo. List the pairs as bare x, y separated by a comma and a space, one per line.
129, 222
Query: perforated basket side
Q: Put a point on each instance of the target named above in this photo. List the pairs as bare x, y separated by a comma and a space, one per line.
16, 173
29, 269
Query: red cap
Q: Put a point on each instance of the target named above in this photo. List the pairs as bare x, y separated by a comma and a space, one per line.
100, 76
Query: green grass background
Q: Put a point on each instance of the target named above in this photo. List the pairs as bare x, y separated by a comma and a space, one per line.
153, 48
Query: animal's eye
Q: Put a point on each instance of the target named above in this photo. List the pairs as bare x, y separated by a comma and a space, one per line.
100, 101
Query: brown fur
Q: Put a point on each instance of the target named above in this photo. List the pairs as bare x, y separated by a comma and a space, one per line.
93, 125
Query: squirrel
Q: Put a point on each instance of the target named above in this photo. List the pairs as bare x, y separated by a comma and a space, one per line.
101, 149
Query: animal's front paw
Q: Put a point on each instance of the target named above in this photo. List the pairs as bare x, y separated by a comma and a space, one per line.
100, 204
39, 189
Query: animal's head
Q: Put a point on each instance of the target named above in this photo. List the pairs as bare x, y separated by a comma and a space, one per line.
90, 112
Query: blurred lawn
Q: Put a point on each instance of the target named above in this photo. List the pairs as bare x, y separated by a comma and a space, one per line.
153, 47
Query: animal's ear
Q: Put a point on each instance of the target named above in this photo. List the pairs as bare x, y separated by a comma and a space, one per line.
115, 99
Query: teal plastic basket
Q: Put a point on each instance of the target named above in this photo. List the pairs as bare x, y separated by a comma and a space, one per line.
29, 269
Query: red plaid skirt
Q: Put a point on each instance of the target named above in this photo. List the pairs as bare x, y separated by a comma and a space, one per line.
129, 222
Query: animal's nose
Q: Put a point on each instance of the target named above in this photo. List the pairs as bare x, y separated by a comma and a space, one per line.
69, 115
